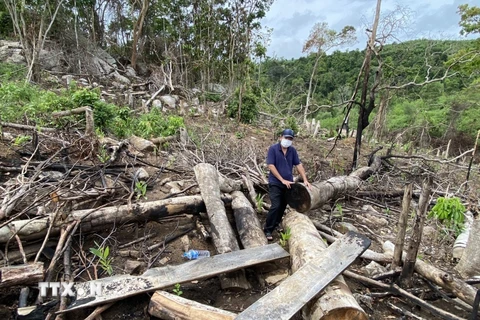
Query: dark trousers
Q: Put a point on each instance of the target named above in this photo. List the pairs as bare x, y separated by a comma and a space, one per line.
278, 198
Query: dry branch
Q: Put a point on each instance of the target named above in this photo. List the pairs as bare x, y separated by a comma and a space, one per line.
89, 122
462, 290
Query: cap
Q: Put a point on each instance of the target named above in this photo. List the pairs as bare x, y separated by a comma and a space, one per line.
288, 133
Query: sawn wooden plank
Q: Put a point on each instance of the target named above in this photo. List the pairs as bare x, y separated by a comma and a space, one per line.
119, 287
295, 291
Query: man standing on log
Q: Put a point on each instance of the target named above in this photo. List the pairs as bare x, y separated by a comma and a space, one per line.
281, 158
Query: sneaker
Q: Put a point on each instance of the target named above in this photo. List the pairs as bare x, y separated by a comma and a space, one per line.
269, 236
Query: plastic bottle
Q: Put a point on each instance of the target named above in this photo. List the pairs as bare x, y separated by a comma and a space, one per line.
196, 254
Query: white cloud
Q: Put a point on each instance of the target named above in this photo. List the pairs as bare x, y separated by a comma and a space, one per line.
292, 20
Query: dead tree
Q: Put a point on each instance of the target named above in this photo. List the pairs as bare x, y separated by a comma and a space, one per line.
416, 238
402, 227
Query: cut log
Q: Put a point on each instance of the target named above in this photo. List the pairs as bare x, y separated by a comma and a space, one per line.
304, 199
223, 235
25, 274
306, 245
291, 295
469, 264
95, 219
30, 251
167, 306
122, 286
447, 281
246, 220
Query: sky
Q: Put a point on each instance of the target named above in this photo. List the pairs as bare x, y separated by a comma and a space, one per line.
292, 21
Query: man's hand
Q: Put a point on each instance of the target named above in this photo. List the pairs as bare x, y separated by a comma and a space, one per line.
307, 184
287, 183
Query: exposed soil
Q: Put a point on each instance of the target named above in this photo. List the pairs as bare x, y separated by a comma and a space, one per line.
231, 138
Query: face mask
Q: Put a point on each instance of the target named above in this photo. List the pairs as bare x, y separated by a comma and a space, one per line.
286, 143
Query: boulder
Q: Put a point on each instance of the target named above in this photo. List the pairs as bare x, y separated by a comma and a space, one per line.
169, 101
11, 52
141, 144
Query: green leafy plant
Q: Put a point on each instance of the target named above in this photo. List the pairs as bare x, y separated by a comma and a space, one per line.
285, 236
239, 135
102, 252
449, 211
141, 189
21, 140
177, 289
259, 202
103, 155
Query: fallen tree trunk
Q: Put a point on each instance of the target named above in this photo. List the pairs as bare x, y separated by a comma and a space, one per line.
167, 306
459, 288
25, 274
223, 235
303, 199
337, 301
248, 226
97, 218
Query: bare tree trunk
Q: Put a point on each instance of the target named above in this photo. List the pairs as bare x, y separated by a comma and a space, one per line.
380, 119
402, 227
363, 116
310, 85
137, 32
409, 263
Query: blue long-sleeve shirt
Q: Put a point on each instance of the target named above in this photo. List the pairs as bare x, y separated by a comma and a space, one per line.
283, 162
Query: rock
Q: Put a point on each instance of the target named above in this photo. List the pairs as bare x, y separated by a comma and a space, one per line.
216, 88
11, 52
373, 221
157, 104
373, 269
344, 227
185, 241
130, 72
118, 77
52, 175
142, 174
141, 144
169, 101
276, 276
133, 267
68, 78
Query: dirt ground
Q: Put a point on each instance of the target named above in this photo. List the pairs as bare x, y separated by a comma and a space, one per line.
229, 137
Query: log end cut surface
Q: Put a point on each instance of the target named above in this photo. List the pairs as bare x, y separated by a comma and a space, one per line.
299, 198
